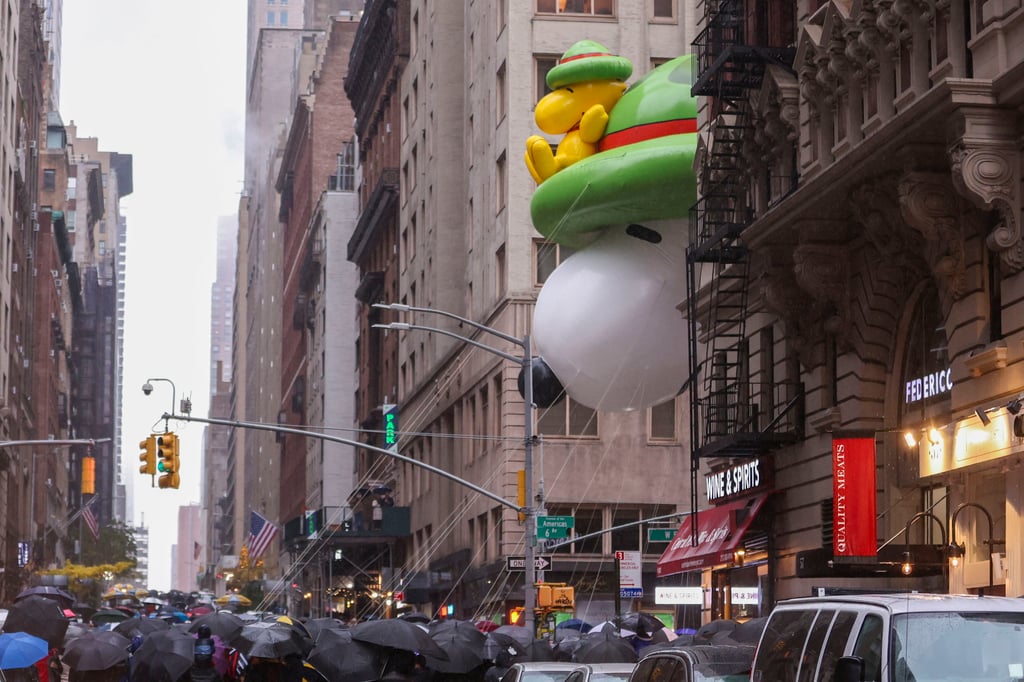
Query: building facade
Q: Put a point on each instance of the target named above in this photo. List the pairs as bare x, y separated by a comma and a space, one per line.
860, 198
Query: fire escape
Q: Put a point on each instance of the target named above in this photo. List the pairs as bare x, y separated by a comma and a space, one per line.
733, 412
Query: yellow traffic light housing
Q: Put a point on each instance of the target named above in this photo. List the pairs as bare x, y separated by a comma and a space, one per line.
148, 456
168, 463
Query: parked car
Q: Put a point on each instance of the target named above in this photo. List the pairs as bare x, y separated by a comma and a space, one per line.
695, 663
898, 637
601, 672
539, 671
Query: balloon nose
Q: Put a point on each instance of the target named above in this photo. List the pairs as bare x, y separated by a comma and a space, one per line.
547, 389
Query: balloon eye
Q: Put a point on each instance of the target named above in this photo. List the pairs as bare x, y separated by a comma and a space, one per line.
644, 233
569, 90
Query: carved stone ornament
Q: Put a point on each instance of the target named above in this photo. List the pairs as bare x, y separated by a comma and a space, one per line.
823, 271
989, 174
875, 205
798, 311
930, 206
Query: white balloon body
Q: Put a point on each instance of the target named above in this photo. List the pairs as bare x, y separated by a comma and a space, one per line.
607, 322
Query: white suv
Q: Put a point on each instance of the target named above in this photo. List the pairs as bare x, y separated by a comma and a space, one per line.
903, 637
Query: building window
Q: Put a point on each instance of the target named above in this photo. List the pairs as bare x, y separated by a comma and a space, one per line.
102, 248
500, 183
270, 18
344, 178
568, 418
661, 422
604, 8
663, 9
542, 64
284, 18
499, 271
628, 538
500, 94
49, 179
69, 220
546, 257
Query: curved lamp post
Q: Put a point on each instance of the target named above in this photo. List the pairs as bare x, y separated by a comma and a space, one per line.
957, 551
907, 567
525, 361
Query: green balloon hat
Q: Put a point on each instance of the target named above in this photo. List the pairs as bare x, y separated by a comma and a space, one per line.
588, 60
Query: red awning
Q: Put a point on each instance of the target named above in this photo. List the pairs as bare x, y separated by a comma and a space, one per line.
720, 530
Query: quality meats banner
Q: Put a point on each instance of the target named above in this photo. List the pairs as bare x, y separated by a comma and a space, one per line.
853, 486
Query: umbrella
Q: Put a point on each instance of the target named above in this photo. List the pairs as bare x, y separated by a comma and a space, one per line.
164, 656
415, 617
315, 625
233, 599
397, 634
486, 626
604, 647
201, 610
269, 639
97, 651
538, 650
50, 592
307, 639
38, 616
574, 624
20, 650
83, 610
140, 626
502, 648
643, 624
108, 616
463, 644
708, 630
75, 630
340, 658
748, 632
153, 600
516, 632
224, 625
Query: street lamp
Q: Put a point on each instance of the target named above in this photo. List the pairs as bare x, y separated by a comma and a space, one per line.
525, 361
907, 567
957, 551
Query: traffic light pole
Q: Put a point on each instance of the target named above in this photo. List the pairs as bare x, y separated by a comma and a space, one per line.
529, 511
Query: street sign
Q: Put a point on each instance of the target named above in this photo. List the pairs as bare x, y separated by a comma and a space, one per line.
518, 563
560, 522
660, 534
631, 592
552, 533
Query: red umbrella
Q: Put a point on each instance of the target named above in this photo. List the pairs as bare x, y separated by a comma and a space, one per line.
486, 625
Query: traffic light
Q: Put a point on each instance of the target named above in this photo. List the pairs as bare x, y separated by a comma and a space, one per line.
148, 456
167, 464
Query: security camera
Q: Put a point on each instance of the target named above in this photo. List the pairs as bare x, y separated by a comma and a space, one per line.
147, 388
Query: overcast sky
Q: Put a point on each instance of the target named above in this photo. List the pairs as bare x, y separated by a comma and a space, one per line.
163, 82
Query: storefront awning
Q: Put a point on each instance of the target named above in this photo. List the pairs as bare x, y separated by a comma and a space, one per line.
720, 531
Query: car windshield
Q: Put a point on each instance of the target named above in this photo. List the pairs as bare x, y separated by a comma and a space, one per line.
609, 676
957, 647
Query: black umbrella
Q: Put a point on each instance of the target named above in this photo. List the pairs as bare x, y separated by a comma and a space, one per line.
269, 639
502, 648
398, 634
224, 625
164, 656
84, 610
642, 623
604, 647
75, 630
315, 625
38, 616
744, 633
140, 626
516, 632
339, 658
538, 650
104, 616
97, 651
50, 592
463, 644
415, 617
709, 630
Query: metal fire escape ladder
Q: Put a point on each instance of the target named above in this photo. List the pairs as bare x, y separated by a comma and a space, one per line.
724, 421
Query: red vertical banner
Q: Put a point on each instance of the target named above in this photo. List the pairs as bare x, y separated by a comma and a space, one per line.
853, 489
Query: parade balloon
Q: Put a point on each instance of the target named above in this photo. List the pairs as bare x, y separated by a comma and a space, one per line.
607, 322
547, 389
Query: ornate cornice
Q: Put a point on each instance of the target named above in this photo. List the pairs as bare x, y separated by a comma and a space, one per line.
985, 161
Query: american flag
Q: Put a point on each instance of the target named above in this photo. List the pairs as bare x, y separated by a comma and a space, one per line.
261, 532
90, 520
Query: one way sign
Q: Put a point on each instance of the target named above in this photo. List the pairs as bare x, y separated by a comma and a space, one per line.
518, 563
